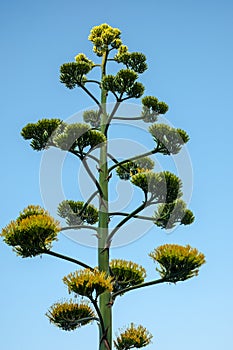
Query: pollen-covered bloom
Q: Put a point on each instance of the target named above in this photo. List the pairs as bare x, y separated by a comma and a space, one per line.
69, 315
32, 232
177, 263
88, 283
133, 337
126, 274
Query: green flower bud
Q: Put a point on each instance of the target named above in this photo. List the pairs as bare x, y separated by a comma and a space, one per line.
169, 214
77, 136
162, 107
73, 73
188, 217
41, 133
169, 140
92, 117
135, 61
152, 108
74, 214
164, 187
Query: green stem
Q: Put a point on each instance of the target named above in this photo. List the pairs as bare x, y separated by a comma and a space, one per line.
79, 227
117, 162
169, 278
93, 81
91, 96
130, 118
137, 286
104, 332
88, 319
64, 257
88, 155
153, 151
103, 257
135, 216
116, 106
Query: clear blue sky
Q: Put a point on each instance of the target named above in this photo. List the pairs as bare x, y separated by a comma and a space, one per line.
190, 53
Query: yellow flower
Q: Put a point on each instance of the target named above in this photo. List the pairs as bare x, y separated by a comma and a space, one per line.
32, 232
103, 36
88, 283
126, 274
177, 263
70, 315
133, 337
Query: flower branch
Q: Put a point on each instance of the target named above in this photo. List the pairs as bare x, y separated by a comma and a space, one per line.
155, 150
135, 216
142, 285
127, 218
64, 257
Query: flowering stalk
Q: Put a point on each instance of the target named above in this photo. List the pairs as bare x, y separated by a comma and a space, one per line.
103, 256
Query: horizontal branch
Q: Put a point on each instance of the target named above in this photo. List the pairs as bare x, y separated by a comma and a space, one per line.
78, 227
168, 279
88, 155
88, 319
64, 257
155, 150
116, 161
128, 118
137, 286
92, 81
135, 216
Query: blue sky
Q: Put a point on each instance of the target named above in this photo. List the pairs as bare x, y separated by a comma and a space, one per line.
189, 49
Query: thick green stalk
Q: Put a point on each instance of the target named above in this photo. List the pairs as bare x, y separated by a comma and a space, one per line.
103, 255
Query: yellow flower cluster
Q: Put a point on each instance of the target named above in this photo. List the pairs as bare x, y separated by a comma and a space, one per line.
133, 337
69, 315
177, 263
126, 274
32, 232
104, 36
81, 57
88, 283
